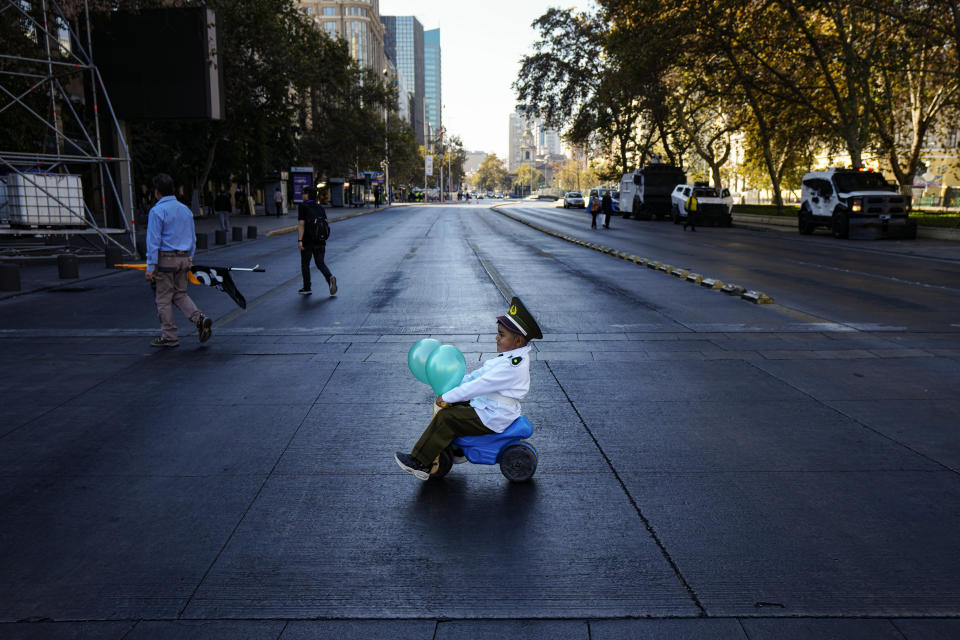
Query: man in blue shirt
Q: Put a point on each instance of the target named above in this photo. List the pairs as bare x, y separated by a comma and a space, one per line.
171, 240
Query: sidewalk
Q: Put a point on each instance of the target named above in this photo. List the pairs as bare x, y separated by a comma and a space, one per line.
41, 273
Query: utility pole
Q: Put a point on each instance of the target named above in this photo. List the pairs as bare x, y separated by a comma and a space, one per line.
386, 145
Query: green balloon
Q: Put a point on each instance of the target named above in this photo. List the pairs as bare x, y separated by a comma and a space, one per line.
445, 368
417, 357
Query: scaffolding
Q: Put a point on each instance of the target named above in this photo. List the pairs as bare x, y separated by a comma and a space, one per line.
60, 68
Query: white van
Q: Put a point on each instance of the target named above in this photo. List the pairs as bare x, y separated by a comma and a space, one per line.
853, 202
713, 207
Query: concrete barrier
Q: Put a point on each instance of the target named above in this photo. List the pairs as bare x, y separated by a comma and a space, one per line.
9, 277
111, 256
68, 267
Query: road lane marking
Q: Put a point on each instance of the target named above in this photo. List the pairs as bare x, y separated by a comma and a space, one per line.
755, 297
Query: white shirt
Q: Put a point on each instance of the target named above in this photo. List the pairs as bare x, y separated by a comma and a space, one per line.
494, 390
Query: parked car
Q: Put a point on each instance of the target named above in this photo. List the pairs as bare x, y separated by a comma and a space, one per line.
712, 208
573, 200
599, 192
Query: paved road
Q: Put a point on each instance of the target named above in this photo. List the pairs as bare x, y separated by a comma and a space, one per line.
710, 468
860, 284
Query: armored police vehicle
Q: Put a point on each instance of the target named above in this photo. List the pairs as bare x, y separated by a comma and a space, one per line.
854, 203
713, 207
645, 193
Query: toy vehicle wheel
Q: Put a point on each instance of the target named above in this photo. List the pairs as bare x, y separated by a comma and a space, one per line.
518, 462
445, 463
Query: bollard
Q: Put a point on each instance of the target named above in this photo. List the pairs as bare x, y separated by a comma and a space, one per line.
112, 255
221, 237
68, 266
237, 234
251, 232
202, 240
9, 277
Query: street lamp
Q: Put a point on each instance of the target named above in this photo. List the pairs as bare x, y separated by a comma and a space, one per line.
386, 145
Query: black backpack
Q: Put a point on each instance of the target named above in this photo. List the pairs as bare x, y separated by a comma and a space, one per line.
317, 229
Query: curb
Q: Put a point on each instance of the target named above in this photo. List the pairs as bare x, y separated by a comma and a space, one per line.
6, 295
758, 221
756, 297
278, 232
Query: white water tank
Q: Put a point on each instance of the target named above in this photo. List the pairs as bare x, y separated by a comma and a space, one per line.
42, 200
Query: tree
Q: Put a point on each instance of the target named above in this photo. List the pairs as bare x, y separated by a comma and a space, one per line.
576, 174
491, 174
573, 86
527, 178
267, 50
406, 157
918, 82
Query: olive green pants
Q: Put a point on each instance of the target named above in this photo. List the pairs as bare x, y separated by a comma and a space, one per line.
454, 421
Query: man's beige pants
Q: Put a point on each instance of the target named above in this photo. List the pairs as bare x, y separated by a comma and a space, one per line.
171, 279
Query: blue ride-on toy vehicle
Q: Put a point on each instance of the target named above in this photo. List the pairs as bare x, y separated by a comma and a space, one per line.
517, 457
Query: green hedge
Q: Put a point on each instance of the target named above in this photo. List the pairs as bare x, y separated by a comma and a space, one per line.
924, 218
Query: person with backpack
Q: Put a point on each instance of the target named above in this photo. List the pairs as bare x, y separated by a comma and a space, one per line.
312, 233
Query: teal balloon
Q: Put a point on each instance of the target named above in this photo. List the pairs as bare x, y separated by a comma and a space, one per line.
417, 357
445, 368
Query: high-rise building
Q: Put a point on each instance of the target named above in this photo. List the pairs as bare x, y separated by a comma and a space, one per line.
356, 21
403, 43
432, 100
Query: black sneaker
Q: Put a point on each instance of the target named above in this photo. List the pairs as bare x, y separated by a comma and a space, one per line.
412, 466
457, 454
305, 291
204, 325
333, 285
165, 342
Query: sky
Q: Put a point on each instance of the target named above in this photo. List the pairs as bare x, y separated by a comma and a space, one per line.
481, 44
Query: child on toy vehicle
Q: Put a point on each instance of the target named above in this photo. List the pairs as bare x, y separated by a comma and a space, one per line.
486, 401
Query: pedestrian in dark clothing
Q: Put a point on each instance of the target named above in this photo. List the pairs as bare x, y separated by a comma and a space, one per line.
606, 205
312, 233
691, 207
222, 206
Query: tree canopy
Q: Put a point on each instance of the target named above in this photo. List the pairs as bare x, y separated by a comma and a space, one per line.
783, 79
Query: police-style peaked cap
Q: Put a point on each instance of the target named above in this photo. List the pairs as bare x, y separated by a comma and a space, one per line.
519, 320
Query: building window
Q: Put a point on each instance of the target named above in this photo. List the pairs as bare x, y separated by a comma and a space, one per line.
330, 28
357, 39
329, 11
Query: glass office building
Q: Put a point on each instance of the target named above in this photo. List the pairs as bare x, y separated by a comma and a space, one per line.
403, 42
432, 100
